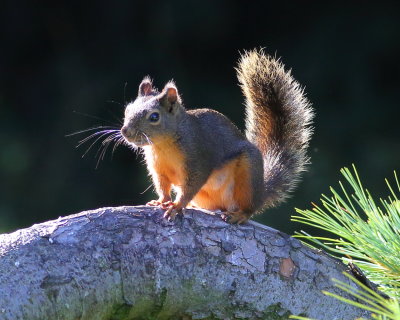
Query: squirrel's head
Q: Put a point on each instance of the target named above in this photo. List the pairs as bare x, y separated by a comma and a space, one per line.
152, 115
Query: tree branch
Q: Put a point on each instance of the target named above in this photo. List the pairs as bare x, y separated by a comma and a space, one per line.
130, 263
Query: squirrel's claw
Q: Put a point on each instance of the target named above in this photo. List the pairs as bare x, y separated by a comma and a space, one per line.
173, 209
166, 205
235, 217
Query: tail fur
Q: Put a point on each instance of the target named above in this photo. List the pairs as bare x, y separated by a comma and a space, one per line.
278, 118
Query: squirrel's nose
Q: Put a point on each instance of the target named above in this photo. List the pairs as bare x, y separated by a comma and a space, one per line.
125, 131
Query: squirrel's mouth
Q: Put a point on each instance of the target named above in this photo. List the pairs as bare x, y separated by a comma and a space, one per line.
138, 142
138, 138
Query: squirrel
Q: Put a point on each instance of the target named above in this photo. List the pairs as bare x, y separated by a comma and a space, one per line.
207, 160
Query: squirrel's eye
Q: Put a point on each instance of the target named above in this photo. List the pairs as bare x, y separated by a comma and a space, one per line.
154, 117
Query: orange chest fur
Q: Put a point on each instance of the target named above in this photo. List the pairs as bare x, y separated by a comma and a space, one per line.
166, 159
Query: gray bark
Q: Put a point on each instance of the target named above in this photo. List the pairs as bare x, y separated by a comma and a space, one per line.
130, 263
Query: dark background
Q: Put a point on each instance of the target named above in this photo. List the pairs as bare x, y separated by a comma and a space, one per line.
62, 57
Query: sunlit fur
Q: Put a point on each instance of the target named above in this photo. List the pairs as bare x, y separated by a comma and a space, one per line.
136, 120
166, 164
278, 117
201, 154
227, 188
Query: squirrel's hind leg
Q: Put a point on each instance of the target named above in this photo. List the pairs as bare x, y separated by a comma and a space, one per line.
240, 210
248, 181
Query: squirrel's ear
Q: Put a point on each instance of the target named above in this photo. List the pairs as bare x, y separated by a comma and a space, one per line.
146, 87
170, 97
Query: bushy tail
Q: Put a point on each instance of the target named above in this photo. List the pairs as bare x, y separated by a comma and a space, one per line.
278, 118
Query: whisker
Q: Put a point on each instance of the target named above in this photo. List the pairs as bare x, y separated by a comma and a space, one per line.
97, 139
120, 140
147, 189
90, 129
103, 147
102, 133
147, 138
102, 153
99, 157
111, 137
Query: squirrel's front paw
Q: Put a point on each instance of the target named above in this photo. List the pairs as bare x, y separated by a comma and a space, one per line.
173, 209
237, 217
153, 203
163, 203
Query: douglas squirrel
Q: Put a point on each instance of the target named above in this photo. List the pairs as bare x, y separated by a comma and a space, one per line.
206, 160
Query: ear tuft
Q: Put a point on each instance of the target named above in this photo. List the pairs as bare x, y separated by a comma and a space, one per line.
146, 87
169, 97
172, 95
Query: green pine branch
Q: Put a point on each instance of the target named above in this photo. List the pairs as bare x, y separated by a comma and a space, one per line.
364, 232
